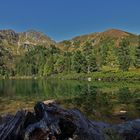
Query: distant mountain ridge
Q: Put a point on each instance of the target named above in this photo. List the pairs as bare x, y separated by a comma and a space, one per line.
116, 33
21, 42
99, 38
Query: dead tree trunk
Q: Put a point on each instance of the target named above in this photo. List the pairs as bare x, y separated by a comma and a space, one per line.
51, 122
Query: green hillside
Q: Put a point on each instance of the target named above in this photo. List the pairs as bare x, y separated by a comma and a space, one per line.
32, 53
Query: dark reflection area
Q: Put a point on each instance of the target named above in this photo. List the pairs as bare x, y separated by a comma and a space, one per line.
113, 106
125, 95
92, 101
108, 102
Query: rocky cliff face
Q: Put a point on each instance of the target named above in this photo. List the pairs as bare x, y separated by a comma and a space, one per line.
32, 37
8, 37
21, 42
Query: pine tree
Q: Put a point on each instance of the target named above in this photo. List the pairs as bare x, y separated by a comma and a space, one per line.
67, 45
111, 58
60, 64
87, 49
90, 60
124, 55
91, 63
47, 70
78, 62
137, 63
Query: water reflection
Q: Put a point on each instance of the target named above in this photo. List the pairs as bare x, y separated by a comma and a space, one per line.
110, 102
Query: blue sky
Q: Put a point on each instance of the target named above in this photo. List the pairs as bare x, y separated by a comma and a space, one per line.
64, 19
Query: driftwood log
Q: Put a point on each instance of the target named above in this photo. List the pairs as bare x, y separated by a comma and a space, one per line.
49, 121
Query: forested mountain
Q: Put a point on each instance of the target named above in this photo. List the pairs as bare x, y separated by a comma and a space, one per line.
14, 46
32, 53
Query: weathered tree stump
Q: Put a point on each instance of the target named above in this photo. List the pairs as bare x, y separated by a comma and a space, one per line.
51, 122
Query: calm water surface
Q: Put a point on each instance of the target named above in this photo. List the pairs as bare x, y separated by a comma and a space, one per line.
109, 102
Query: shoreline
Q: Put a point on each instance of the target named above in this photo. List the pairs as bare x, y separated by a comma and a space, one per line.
102, 76
130, 76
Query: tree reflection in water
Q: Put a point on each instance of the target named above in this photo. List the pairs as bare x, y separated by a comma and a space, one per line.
97, 100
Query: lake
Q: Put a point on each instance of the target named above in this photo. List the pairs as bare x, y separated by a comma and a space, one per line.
101, 101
